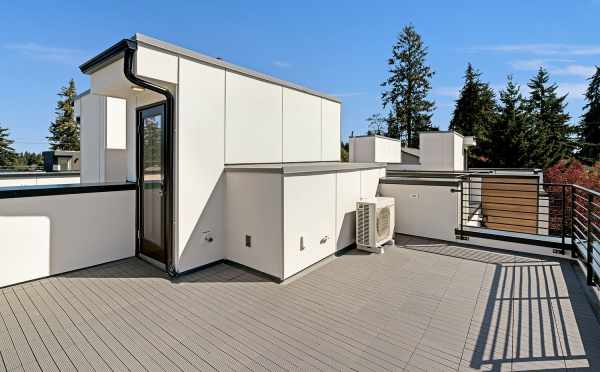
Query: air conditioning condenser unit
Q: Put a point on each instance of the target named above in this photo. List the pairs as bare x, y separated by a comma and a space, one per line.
374, 223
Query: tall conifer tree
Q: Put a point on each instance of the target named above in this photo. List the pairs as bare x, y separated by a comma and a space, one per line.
474, 115
64, 131
549, 131
408, 87
508, 147
589, 126
7, 153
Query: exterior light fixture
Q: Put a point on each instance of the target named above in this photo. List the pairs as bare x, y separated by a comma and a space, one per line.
135, 88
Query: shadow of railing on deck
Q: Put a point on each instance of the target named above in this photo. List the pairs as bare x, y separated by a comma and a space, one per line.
536, 315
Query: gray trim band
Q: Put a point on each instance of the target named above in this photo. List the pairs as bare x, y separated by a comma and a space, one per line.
403, 181
68, 189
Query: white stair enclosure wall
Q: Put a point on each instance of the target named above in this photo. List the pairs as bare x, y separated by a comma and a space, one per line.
253, 127
200, 161
225, 115
301, 127
330, 135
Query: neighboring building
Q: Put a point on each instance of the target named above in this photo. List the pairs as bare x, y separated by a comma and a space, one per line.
61, 161
439, 151
410, 155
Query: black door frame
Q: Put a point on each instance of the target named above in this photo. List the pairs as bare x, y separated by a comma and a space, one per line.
166, 171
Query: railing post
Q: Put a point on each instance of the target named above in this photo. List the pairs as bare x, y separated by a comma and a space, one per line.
572, 217
462, 211
562, 227
590, 247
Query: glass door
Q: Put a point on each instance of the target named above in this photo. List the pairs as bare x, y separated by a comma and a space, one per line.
151, 174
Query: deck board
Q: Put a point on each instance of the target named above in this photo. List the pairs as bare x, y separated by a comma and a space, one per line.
420, 306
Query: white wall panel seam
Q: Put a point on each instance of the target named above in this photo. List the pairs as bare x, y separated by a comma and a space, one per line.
323, 156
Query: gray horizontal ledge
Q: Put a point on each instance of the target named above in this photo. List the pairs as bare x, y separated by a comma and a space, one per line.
303, 168
417, 181
38, 174
67, 189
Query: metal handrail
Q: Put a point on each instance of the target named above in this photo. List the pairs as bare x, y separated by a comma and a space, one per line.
568, 213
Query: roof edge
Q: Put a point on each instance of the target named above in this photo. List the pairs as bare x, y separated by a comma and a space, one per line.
142, 39
107, 56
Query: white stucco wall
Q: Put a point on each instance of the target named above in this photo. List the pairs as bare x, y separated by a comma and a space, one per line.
301, 126
387, 150
155, 64
254, 208
92, 130
49, 235
253, 126
200, 162
437, 151
362, 149
309, 215
331, 126
375, 149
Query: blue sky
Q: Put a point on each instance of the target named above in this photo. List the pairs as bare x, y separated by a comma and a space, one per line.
335, 47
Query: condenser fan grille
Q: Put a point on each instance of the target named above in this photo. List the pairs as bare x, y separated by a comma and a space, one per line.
383, 223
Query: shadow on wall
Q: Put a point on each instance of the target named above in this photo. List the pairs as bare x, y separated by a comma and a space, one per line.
347, 232
48, 235
198, 249
26, 249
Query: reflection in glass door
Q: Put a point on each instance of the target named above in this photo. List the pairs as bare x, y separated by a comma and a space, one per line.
150, 166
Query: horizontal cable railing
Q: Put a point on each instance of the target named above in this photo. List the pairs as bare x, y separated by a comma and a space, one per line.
561, 216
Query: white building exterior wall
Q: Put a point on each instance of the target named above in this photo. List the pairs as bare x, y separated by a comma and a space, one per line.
222, 117
301, 126
253, 130
437, 151
330, 135
362, 149
48, 235
103, 138
200, 163
375, 149
433, 212
254, 207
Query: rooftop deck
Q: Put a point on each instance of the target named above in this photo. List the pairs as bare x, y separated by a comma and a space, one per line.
422, 306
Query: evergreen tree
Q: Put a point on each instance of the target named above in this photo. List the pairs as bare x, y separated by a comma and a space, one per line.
407, 88
377, 124
7, 153
589, 126
392, 126
64, 131
29, 160
474, 115
548, 129
508, 146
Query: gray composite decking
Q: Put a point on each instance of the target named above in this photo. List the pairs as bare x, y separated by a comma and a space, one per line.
419, 306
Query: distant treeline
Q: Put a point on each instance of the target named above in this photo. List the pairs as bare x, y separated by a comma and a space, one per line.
511, 130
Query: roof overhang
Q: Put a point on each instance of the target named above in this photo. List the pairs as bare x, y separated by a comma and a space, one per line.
108, 56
